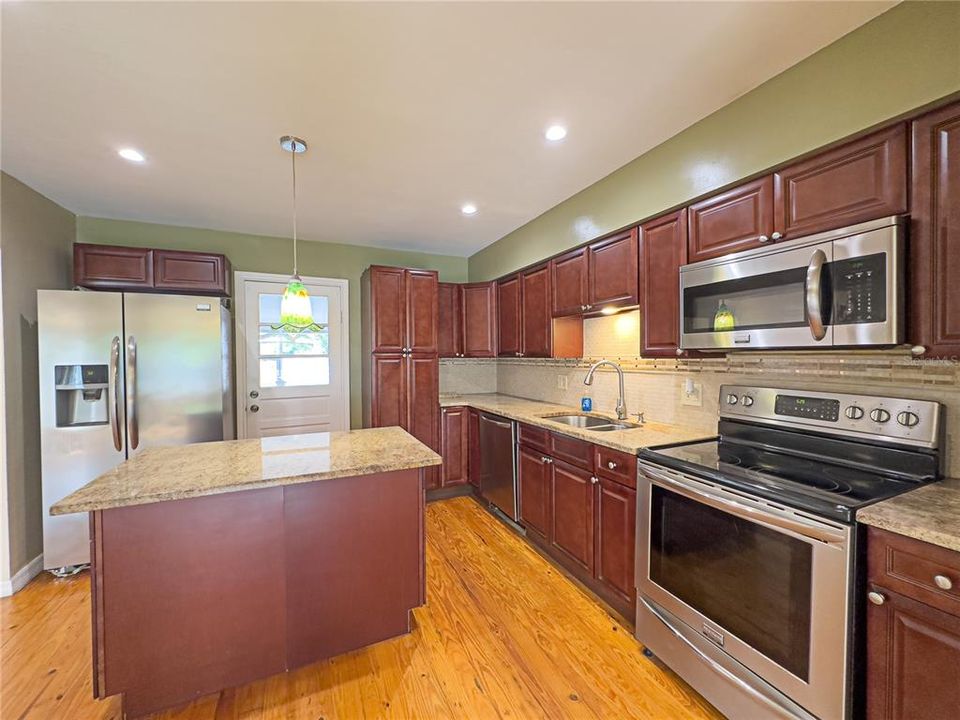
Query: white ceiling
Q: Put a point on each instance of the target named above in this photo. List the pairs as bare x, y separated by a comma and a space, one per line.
410, 109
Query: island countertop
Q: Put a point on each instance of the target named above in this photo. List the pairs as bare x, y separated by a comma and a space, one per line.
176, 473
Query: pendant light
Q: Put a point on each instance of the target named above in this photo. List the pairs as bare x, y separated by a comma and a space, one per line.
296, 313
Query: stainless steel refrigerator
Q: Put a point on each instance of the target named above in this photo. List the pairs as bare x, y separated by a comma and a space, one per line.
120, 373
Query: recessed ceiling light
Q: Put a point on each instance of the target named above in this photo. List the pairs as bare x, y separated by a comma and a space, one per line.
468, 209
555, 133
131, 155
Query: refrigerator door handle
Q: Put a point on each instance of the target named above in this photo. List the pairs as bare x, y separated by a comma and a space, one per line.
133, 426
114, 383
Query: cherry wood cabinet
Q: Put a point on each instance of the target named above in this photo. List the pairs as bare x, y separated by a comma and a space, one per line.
423, 406
453, 445
934, 296
449, 339
508, 317
615, 536
857, 181
478, 304
536, 318
388, 401
108, 267
569, 280
571, 513
913, 634
663, 249
738, 219
387, 309
533, 469
473, 448
421, 310
613, 273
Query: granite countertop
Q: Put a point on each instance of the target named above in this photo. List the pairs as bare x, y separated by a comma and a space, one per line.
176, 473
535, 412
930, 513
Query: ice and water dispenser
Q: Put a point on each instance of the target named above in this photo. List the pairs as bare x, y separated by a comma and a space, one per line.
82, 392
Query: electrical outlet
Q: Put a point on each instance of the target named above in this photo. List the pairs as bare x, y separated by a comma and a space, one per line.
691, 393
561, 382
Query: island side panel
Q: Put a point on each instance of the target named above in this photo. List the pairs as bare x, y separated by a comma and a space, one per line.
355, 555
191, 596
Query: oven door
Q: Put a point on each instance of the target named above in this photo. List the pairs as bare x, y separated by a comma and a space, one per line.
771, 298
745, 580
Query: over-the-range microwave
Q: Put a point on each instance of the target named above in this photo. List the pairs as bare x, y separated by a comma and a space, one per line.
841, 288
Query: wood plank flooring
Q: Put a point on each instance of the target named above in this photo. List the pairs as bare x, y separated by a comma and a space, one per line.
504, 634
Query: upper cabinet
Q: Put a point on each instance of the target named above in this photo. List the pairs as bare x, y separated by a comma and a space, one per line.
449, 340
508, 317
663, 249
857, 181
535, 312
526, 326
934, 297
735, 220
478, 305
107, 267
600, 275
403, 310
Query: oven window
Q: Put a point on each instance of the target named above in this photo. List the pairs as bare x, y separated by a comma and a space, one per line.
752, 581
771, 300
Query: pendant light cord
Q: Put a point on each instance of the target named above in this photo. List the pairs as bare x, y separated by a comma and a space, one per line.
293, 154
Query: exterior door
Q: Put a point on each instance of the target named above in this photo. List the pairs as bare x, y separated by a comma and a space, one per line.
177, 353
292, 382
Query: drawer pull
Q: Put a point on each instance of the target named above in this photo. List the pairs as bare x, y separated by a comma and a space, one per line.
943, 582
876, 598
612, 465
594, 480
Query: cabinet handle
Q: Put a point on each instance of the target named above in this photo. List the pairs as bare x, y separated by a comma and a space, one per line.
943, 582
776, 236
594, 480
679, 352
546, 460
763, 239
611, 465
876, 598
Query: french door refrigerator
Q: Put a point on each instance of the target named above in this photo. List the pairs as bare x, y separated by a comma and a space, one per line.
120, 373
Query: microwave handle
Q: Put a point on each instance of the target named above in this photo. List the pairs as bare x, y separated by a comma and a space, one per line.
812, 288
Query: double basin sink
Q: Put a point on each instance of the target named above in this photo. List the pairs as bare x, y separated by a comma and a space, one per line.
591, 422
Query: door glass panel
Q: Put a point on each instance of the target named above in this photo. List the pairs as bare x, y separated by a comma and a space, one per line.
771, 300
293, 359
751, 581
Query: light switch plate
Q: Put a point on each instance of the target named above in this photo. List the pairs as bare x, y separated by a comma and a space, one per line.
562, 382
691, 393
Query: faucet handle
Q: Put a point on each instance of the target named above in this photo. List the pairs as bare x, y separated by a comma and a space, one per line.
640, 418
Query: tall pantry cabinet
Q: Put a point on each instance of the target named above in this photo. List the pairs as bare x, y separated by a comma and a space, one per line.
401, 367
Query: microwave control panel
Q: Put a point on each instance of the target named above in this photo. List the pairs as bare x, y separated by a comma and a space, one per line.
859, 289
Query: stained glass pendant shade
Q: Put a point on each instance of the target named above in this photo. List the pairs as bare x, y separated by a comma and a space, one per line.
296, 314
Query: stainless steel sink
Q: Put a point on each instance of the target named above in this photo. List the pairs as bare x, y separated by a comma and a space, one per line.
589, 422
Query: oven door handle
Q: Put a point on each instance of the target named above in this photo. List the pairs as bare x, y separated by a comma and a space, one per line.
796, 525
812, 288
717, 667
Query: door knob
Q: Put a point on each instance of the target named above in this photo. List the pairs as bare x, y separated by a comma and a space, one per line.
254, 394
254, 408
876, 598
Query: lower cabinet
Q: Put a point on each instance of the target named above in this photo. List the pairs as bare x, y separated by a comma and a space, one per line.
473, 448
533, 470
615, 537
571, 513
913, 629
453, 446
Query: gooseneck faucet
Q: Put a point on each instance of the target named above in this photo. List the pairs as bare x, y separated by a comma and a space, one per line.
588, 380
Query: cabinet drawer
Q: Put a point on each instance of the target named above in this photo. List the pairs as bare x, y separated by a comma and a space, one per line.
576, 452
535, 437
615, 465
912, 568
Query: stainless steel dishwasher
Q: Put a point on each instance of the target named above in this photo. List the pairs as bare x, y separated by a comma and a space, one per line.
498, 464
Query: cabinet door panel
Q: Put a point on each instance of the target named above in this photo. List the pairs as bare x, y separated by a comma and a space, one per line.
453, 445
613, 271
913, 660
537, 321
108, 267
862, 180
534, 481
571, 516
479, 306
448, 320
934, 295
473, 448
423, 406
422, 310
731, 221
508, 317
191, 272
616, 534
388, 309
389, 387
663, 249
569, 277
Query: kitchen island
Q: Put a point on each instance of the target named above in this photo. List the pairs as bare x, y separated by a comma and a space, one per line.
217, 564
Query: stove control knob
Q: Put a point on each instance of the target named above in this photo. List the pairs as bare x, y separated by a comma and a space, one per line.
879, 415
908, 419
853, 412
747, 401
732, 399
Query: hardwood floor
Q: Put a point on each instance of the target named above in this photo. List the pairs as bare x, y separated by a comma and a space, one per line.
504, 634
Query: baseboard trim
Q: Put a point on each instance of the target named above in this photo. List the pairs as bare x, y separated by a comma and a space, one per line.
27, 573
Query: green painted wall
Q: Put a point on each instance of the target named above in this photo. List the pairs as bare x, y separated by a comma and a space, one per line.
259, 253
903, 59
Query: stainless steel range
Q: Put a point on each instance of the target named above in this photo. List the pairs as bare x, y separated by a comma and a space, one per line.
748, 558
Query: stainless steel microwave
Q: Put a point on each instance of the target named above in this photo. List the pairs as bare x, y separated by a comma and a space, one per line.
841, 288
